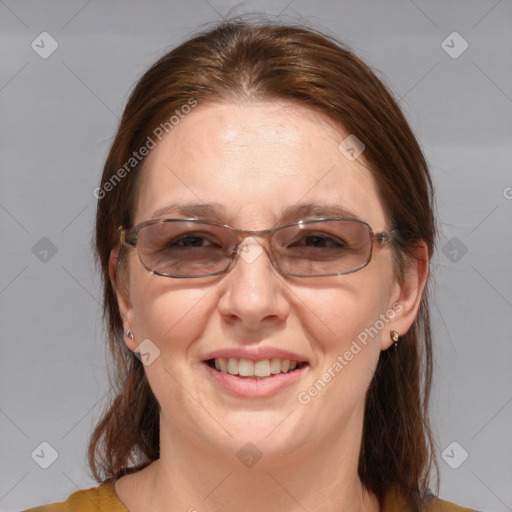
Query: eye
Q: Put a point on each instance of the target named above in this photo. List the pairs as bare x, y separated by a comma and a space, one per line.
318, 241
194, 240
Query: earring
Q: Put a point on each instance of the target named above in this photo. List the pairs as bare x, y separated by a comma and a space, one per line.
395, 337
128, 334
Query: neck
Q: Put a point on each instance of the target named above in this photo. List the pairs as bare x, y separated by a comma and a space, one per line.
321, 478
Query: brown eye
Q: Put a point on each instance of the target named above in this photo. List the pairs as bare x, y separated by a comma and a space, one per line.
318, 241
193, 241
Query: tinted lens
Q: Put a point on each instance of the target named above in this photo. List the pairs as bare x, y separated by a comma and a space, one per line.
323, 247
185, 248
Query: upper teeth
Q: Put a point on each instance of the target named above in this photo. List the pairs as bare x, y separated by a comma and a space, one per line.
248, 368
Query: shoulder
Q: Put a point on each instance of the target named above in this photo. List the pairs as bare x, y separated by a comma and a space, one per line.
96, 499
437, 505
394, 502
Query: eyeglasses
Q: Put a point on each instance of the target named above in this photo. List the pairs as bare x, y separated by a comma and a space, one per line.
320, 247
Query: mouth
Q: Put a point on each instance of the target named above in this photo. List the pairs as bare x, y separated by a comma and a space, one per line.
260, 369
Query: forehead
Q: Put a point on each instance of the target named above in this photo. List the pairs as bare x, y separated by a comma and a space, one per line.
253, 162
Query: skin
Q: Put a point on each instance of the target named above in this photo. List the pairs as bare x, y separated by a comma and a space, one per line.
254, 160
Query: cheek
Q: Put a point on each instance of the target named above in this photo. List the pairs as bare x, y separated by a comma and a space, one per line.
168, 313
346, 350
336, 316
345, 323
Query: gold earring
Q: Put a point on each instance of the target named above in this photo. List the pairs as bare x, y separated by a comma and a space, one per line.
395, 337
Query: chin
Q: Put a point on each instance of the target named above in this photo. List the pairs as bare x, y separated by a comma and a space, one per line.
273, 433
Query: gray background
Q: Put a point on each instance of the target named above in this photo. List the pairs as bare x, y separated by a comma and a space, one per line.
58, 117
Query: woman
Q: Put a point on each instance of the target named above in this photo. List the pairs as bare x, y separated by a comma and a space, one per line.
264, 229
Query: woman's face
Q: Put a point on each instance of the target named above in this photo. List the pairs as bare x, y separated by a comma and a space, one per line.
244, 166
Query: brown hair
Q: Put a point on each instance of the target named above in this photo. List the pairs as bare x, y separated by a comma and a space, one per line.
240, 61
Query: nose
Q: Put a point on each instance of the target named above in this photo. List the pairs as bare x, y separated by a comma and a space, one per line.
254, 293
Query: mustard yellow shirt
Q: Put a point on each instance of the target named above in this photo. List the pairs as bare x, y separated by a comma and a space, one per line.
104, 499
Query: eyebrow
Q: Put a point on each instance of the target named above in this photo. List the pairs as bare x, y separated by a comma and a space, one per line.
288, 214
199, 210
315, 210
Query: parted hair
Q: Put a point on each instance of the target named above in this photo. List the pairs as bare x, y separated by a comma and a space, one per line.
250, 61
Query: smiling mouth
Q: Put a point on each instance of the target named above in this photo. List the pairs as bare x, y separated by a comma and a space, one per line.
262, 369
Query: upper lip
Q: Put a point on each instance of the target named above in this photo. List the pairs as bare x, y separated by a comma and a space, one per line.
255, 354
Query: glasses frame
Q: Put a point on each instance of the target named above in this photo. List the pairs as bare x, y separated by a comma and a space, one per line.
130, 237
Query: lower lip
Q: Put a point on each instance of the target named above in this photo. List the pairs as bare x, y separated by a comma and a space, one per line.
249, 387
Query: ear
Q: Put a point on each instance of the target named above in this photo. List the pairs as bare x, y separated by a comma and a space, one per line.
407, 294
122, 290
